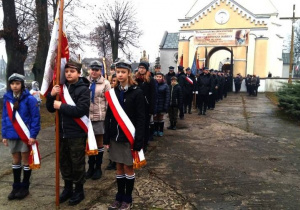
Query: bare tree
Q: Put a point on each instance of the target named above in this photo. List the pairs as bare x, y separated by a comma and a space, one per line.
121, 25
16, 48
43, 40
101, 39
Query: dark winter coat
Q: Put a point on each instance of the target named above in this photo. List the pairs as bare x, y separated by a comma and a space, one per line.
29, 112
168, 77
215, 83
181, 80
134, 107
204, 84
189, 88
80, 94
175, 96
163, 97
150, 94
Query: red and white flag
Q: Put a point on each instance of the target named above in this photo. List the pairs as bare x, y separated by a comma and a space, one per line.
50, 67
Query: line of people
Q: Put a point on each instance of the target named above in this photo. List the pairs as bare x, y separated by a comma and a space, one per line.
123, 107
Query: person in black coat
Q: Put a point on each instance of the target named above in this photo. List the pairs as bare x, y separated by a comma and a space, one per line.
148, 85
204, 87
189, 88
214, 93
131, 100
221, 85
175, 102
72, 140
181, 82
169, 75
163, 101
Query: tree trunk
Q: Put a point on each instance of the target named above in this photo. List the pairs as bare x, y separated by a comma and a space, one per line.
43, 40
16, 49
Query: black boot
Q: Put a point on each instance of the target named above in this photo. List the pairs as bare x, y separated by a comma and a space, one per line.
155, 129
190, 109
91, 169
111, 165
78, 195
161, 129
200, 112
24, 191
203, 113
67, 192
15, 190
17, 179
151, 130
171, 125
174, 126
98, 172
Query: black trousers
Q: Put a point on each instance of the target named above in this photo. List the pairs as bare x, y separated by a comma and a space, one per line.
237, 87
203, 102
212, 101
187, 101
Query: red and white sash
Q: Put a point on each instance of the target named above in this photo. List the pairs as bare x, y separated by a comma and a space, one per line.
124, 122
24, 134
84, 122
120, 115
189, 80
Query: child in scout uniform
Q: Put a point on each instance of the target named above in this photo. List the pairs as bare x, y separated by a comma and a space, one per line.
26, 106
128, 99
99, 85
72, 140
175, 102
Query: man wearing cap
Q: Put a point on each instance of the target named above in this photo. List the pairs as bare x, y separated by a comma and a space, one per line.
214, 93
188, 91
237, 82
181, 81
170, 74
204, 87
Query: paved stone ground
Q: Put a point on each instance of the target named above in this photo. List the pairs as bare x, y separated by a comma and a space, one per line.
242, 155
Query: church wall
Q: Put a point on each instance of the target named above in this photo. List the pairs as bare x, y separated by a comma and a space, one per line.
236, 20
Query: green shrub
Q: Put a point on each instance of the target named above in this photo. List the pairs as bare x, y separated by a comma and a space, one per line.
289, 98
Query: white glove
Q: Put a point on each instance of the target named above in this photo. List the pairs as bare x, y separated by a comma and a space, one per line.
210, 93
196, 92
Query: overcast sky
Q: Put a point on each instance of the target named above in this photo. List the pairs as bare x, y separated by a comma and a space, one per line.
157, 16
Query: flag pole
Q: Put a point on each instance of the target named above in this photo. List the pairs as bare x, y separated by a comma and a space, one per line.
58, 66
104, 64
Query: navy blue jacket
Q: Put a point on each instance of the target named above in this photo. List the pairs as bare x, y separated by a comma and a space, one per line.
163, 97
29, 112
